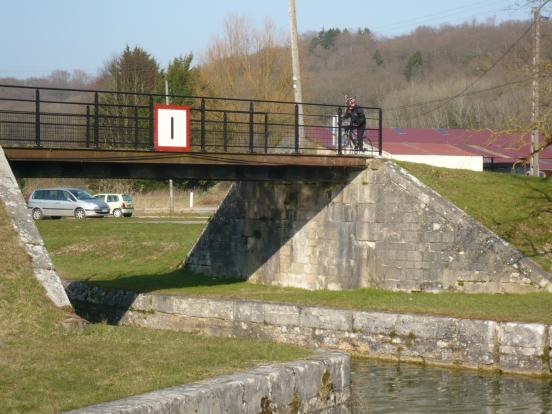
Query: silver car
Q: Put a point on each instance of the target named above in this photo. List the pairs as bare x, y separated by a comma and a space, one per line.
59, 202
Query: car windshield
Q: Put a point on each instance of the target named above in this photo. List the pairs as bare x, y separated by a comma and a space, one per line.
127, 198
81, 194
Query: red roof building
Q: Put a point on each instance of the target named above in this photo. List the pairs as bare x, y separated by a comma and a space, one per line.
500, 151
453, 148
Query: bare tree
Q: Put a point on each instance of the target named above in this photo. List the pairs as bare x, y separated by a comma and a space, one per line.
251, 63
247, 62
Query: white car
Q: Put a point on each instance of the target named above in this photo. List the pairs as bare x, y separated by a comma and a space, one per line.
119, 204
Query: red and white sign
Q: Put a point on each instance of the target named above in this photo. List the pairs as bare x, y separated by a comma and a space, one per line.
171, 128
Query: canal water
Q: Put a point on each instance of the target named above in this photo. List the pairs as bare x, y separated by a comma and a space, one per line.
380, 387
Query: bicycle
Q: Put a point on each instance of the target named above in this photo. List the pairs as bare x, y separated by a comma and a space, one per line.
349, 140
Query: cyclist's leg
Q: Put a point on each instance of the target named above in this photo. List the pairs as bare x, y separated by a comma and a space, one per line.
353, 140
351, 143
360, 138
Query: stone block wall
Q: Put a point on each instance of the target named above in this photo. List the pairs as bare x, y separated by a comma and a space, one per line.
513, 347
383, 228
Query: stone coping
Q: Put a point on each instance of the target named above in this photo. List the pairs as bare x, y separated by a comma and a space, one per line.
30, 238
318, 384
513, 347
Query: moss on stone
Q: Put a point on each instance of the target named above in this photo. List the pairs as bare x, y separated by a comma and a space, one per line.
294, 404
326, 387
410, 339
266, 406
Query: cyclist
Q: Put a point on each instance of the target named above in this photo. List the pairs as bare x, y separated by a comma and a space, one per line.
358, 121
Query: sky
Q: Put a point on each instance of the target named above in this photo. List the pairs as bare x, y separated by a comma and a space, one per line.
39, 36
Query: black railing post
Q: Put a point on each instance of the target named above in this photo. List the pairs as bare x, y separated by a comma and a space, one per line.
37, 118
135, 127
87, 126
202, 112
296, 128
251, 126
339, 136
96, 120
151, 121
266, 133
225, 131
380, 131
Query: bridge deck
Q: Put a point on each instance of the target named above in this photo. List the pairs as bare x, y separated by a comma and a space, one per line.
195, 158
93, 163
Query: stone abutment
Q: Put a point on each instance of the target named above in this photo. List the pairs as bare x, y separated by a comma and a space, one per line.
381, 229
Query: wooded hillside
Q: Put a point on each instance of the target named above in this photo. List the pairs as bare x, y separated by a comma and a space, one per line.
429, 65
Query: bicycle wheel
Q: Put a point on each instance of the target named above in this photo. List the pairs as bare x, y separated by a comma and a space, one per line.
348, 144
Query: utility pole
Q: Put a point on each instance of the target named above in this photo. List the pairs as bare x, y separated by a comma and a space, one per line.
297, 90
171, 198
534, 163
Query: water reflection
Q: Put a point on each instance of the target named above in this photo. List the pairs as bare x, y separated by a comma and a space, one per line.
380, 387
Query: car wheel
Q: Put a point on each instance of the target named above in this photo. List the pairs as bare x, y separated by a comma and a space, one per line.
128, 215
117, 213
37, 214
79, 213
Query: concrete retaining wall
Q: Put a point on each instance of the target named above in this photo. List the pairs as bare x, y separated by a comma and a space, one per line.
383, 229
510, 346
321, 384
32, 242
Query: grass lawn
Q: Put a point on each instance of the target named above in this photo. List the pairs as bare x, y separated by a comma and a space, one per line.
517, 208
130, 261
47, 369
93, 249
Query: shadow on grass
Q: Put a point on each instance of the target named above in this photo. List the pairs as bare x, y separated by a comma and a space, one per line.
118, 295
180, 278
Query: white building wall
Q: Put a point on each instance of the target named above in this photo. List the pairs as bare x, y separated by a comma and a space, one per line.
460, 162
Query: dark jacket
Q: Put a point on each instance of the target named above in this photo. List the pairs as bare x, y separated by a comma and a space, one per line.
358, 119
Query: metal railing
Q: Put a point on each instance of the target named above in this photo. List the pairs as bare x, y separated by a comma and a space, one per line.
79, 118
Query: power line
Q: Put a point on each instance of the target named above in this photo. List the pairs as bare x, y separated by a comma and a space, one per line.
463, 91
443, 14
491, 88
436, 100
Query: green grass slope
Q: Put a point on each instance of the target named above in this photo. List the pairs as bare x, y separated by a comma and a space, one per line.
45, 368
